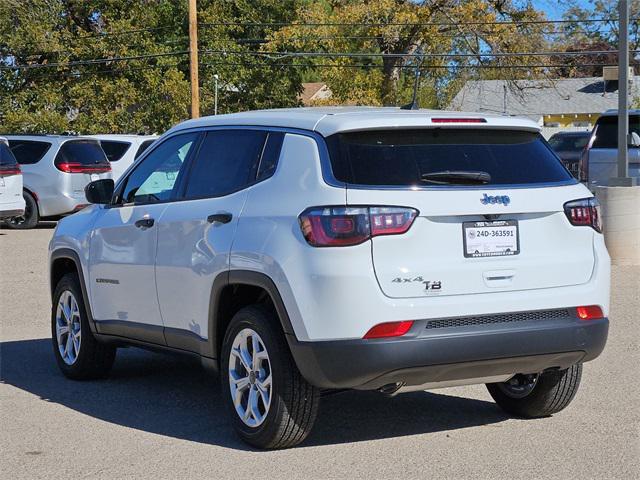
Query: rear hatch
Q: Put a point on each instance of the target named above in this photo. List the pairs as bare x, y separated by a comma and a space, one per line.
474, 233
85, 161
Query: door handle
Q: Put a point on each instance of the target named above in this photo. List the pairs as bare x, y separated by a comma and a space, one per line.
220, 218
145, 223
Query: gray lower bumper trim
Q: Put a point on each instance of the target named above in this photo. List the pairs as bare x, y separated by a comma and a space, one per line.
451, 354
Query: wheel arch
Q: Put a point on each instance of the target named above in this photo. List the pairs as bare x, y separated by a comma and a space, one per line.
238, 288
63, 261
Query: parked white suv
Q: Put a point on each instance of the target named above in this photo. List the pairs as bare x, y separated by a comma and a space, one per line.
122, 150
305, 250
55, 170
11, 201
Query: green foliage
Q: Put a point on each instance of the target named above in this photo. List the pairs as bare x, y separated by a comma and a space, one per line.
151, 94
407, 30
146, 95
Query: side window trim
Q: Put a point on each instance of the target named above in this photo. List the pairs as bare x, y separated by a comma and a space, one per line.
122, 185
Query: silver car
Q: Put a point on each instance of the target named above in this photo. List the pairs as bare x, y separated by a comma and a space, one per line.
55, 170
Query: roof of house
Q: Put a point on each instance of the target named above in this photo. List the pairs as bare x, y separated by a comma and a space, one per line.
534, 98
309, 90
330, 120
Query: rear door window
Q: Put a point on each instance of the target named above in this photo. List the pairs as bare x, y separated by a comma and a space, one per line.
226, 162
114, 150
28, 152
607, 130
407, 157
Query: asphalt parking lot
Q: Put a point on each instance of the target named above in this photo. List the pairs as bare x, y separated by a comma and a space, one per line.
162, 417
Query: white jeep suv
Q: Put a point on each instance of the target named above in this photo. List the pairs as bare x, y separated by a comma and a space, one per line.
307, 250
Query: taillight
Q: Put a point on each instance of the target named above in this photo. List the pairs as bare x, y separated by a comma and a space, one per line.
584, 213
8, 170
343, 226
389, 329
76, 167
590, 312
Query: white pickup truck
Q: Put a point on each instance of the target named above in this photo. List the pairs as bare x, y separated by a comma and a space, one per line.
599, 161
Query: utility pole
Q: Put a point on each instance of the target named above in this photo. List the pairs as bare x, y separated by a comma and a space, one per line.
623, 178
193, 59
215, 101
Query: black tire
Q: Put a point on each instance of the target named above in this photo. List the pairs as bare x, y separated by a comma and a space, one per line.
552, 392
294, 402
31, 215
94, 360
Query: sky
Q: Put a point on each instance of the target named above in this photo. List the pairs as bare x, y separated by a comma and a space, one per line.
554, 8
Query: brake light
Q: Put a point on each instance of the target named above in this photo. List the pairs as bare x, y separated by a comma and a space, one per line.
591, 312
9, 170
76, 167
389, 329
344, 226
458, 120
584, 213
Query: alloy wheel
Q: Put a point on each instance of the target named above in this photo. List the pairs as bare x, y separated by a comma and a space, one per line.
250, 378
68, 327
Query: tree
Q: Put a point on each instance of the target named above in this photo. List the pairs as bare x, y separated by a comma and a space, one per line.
594, 28
58, 91
140, 81
410, 34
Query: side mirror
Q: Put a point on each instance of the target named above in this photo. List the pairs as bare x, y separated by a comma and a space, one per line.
99, 191
634, 140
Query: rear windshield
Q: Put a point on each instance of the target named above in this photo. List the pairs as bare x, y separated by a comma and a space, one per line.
607, 130
28, 152
6, 157
85, 152
404, 157
569, 143
114, 150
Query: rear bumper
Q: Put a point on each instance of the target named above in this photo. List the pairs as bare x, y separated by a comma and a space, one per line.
452, 352
11, 213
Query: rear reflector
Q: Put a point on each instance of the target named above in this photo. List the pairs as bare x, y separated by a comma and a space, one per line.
591, 312
344, 226
584, 213
458, 120
389, 329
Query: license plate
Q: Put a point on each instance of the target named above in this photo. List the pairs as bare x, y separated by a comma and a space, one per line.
490, 239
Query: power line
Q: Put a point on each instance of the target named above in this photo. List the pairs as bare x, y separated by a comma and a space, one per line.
393, 24
96, 61
411, 55
410, 67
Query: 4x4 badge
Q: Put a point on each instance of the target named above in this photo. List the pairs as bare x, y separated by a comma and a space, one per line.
488, 199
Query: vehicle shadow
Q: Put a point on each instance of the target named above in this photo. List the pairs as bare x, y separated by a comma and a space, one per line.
173, 396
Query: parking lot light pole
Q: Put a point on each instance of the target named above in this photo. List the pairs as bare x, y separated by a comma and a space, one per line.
623, 178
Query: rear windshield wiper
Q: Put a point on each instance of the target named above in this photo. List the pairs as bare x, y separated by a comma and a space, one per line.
461, 177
